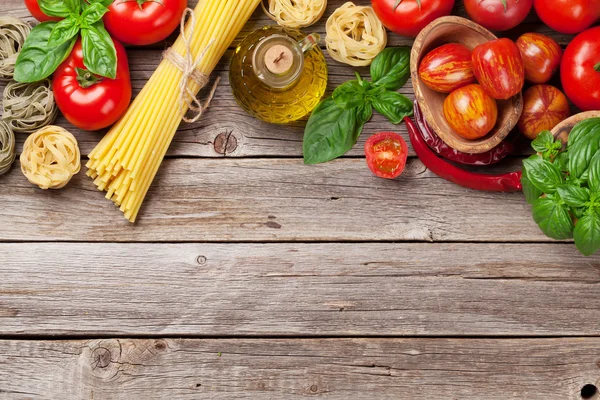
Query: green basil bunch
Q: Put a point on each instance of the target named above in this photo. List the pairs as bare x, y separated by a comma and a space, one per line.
563, 186
337, 122
50, 43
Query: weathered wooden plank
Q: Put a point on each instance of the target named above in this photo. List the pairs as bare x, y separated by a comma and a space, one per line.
226, 119
541, 369
269, 200
298, 289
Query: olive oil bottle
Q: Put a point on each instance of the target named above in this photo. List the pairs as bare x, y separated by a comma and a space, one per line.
279, 75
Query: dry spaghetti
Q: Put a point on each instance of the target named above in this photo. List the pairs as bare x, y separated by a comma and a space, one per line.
295, 13
13, 32
127, 159
7, 147
50, 157
29, 106
355, 36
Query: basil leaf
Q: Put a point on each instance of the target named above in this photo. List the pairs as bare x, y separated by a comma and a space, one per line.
543, 174
73, 5
573, 196
63, 31
587, 234
37, 60
543, 142
99, 54
391, 68
105, 3
552, 218
349, 95
583, 130
593, 173
93, 13
529, 190
364, 113
561, 161
56, 8
581, 153
330, 132
394, 106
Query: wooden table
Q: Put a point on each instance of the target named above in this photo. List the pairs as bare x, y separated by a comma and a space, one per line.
252, 276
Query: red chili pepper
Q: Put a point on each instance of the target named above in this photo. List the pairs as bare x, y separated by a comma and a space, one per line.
493, 156
510, 182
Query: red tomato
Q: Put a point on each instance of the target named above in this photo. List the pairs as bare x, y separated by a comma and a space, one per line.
541, 56
447, 68
37, 13
87, 101
409, 17
386, 154
580, 70
544, 107
498, 67
471, 112
568, 16
143, 22
498, 15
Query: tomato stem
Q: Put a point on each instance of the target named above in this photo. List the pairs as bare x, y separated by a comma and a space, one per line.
505, 4
597, 67
400, 1
86, 79
141, 3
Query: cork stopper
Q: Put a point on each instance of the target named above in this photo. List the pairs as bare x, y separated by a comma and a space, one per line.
279, 59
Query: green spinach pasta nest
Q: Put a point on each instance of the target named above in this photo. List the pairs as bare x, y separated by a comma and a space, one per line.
29, 106
13, 32
7, 147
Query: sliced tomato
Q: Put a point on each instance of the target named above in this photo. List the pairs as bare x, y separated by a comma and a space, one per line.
386, 154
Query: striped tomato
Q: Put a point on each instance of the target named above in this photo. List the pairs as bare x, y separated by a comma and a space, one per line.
447, 68
470, 112
499, 68
544, 107
541, 56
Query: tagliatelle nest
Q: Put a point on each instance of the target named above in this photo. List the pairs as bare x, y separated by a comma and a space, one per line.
13, 32
355, 36
50, 157
7, 147
295, 13
29, 106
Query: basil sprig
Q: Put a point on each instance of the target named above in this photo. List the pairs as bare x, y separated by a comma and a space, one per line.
50, 43
337, 122
563, 186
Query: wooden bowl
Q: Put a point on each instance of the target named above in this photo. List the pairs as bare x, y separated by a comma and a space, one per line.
562, 130
458, 30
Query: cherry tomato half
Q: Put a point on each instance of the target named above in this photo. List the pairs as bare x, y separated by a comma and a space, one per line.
498, 67
143, 22
498, 15
447, 68
37, 13
471, 112
409, 17
386, 154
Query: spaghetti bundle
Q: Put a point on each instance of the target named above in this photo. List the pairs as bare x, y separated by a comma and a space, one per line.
296, 13
355, 35
127, 159
50, 157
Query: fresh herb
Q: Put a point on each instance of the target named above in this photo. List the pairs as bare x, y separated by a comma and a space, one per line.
337, 122
50, 43
563, 185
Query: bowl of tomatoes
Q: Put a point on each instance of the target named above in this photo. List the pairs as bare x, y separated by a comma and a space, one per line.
468, 83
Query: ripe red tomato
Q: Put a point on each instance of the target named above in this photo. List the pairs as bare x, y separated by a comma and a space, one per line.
37, 13
541, 56
580, 70
143, 22
568, 16
544, 107
498, 15
447, 68
87, 101
386, 154
499, 69
409, 17
471, 112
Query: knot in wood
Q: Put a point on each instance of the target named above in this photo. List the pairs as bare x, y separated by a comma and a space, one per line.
225, 143
101, 357
314, 388
160, 345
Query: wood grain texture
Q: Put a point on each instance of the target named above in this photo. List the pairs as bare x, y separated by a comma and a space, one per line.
538, 369
298, 290
200, 200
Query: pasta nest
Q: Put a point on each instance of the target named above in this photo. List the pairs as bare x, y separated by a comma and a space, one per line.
7, 147
13, 33
355, 36
50, 157
295, 13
